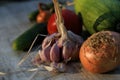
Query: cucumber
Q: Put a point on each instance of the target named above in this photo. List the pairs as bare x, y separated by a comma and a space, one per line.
24, 41
99, 14
33, 15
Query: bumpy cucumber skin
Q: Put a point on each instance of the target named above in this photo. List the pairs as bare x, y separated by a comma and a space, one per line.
99, 14
24, 41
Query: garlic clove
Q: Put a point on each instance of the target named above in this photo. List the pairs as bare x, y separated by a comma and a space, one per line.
75, 37
55, 53
47, 40
45, 54
67, 52
53, 37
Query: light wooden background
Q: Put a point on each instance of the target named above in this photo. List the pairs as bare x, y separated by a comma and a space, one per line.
13, 22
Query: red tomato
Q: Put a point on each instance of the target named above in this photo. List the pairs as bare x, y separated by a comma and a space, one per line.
71, 22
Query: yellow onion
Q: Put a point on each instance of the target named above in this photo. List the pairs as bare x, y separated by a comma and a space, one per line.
100, 53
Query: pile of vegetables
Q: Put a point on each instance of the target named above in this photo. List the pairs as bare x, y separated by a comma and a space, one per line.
98, 52
44, 23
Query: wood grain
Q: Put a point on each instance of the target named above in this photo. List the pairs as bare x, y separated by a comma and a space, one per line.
13, 22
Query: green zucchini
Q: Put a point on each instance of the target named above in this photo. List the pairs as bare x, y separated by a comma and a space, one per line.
99, 14
24, 41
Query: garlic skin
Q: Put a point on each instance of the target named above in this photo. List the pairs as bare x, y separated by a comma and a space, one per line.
58, 67
47, 40
45, 54
55, 53
68, 48
37, 60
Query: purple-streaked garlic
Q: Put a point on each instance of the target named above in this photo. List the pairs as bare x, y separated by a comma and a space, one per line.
50, 38
61, 47
55, 53
45, 54
68, 40
42, 56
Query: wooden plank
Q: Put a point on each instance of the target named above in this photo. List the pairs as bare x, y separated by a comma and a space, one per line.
13, 22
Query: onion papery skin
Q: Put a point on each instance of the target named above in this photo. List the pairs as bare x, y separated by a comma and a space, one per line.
100, 52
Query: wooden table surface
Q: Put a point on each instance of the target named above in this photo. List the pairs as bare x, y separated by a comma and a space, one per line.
13, 22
